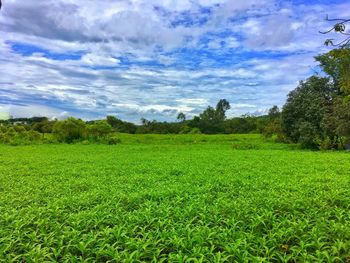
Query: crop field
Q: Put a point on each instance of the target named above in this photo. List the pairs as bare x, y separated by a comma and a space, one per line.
185, 198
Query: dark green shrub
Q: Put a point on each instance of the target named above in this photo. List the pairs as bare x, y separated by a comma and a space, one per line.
99, 129
112, 140
69, 130
33, 136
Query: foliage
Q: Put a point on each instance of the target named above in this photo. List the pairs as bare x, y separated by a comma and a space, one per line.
305, 109
273, 125
18, 135
181, 117
165, 198
69, 130
112, 140
121, 126
211, 120
336, 64
99, 130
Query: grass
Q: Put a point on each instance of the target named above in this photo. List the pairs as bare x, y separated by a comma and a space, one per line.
189, 198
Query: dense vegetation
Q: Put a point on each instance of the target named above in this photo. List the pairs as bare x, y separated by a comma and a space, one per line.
317, 112
174, 198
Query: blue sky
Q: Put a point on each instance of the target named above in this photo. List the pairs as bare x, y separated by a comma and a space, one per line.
156, 58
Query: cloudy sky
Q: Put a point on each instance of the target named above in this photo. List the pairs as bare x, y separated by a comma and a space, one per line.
155, 58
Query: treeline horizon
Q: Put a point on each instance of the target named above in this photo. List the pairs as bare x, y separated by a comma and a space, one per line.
212, 120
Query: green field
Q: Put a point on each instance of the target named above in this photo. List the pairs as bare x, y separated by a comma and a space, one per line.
185, 198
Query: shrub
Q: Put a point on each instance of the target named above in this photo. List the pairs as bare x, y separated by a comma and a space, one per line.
99, 129
32, 136
195, 131
112, 140
185, 129
69, 130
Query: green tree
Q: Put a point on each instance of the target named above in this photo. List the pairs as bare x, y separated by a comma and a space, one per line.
273, 124
305, 109
121, 126
99, 129
274, 112
211, 120
336, 122
336, 64
69, 130
181, 117
221, 107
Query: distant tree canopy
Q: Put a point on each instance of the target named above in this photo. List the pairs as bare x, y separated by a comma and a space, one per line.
181, 117
211, 120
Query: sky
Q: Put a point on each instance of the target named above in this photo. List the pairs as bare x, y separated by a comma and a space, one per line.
156, 58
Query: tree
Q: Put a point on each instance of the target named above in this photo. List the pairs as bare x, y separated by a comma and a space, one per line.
69, 130
99, 129
305, 109
121, 126
274, 112
336, 64
211, 120
336, 122
273, 124
221, 107
181, 117
208, 121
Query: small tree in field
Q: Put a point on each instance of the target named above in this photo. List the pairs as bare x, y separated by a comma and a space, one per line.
69, 130
99, 129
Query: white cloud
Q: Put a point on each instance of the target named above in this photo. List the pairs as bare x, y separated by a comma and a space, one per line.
99, 60
193, 101
242, 61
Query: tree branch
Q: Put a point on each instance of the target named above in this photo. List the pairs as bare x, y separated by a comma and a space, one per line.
339, 27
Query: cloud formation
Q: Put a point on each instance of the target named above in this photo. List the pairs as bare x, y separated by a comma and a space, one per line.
155, 58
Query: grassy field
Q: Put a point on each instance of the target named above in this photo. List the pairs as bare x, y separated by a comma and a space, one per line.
188, 198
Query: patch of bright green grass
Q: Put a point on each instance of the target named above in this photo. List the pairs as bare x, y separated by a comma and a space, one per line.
183, 198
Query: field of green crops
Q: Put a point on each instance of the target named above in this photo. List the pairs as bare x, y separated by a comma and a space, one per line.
185, 198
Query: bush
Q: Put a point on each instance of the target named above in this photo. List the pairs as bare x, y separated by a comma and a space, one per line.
112, 140
185, 129
33, 136
337, 143
69, 130
99, 129
195, 131
308, 137
281, 138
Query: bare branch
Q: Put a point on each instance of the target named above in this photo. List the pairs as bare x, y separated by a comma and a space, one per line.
338, 19
340, 28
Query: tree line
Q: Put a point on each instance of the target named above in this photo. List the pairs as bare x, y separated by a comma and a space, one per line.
212, 120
